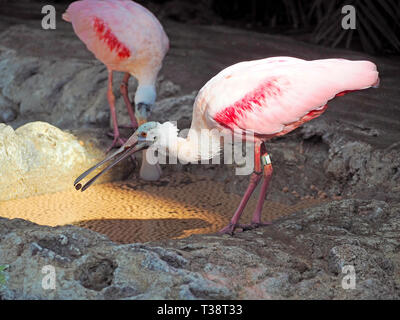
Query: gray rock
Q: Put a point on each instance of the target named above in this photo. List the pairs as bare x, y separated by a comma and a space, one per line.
66, 93
8, 111
8, 115
39, 158
108, 272
276, 262
356, 167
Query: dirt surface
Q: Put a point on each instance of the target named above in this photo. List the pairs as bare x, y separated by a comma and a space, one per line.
137, 211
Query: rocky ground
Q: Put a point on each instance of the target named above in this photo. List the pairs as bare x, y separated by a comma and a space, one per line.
300, 257
350, 154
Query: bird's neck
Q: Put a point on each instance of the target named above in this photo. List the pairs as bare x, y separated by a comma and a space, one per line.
145, 93
198, 145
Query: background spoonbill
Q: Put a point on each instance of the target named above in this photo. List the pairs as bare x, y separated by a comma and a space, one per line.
126, 37
267, 98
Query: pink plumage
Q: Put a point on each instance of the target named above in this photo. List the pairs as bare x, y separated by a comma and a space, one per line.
268, 97
275, 95
126, 37
122, 34
271, 97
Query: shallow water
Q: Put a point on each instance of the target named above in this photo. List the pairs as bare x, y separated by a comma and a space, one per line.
127, 212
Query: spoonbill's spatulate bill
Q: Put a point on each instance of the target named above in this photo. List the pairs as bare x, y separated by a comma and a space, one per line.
126, 37
268, 98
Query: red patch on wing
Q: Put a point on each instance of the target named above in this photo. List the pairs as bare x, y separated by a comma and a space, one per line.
313, 114
344, 92
105, 34
253, 99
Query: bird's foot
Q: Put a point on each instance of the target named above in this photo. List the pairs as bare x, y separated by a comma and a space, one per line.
255, 225
231, 228
118, 141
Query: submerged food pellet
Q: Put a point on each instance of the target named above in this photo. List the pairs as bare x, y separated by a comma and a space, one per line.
78, 186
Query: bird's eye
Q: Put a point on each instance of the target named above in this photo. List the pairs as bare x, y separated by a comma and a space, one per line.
144, 134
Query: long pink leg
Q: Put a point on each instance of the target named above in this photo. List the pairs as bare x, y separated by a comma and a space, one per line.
124, 92
254, 180
111, 102
256, 220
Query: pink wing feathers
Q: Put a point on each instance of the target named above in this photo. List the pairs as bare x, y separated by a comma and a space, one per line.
117, 31
276, 95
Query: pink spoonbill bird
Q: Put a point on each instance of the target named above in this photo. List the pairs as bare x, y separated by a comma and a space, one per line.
266, 98
126, 37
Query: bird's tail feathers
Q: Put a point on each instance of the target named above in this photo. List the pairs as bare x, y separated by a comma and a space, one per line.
359, 75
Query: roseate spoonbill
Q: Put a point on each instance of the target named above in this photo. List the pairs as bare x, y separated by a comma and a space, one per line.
268, 98
126, 37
